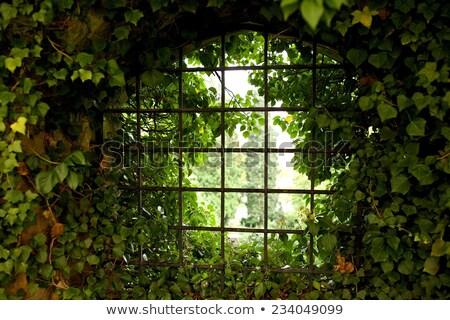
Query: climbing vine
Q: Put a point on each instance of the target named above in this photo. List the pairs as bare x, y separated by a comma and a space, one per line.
64, 234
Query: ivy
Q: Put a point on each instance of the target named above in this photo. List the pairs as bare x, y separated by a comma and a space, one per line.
62, 63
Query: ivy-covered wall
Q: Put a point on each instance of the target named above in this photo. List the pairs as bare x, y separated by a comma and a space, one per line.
63, 62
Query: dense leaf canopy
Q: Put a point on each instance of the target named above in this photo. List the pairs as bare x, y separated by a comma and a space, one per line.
66, 235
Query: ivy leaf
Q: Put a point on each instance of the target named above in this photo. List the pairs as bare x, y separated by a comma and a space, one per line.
85, 74
312, 11
446, 132
357, 56
12, 63
406, 267
364, 17
78, 157
416, 128
158, 4
45, 181
289, 7
260, 289
420, 100
117, 77
215, 3
403, 102
431, 265
93, 259
439, 248
8, 12
62, 170
420, 171
122, 32
19, 125
152, 78
84, 59
97, 77
405, 5
328, 242
386, 111
133, 16
378, 60
5, 98
400, 184
365, 103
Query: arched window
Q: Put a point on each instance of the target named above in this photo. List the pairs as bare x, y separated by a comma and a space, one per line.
229, 155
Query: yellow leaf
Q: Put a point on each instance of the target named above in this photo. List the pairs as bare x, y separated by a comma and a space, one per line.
364, 17
19, 125
288, 118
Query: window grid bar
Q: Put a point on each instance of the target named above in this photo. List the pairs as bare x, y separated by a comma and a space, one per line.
180, 159
266, 154
228, 190
313, 162
139, 158
222, 165
253, 68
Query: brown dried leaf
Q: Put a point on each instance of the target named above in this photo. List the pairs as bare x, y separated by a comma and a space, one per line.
57, 230
23, 169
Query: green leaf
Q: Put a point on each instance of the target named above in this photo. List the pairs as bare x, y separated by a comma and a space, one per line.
312, 11
12, 63
158, 4
133, 16
387, 266
400, 184
45, 181
97, 77
6, 97
43, 108
328, 241
122, 32
78, 157
84, 59
405, 5
378, 60
379, 254
446, 132
189, 5
62, 170
439, 248
19, 125
72, 180
215, 3
93, 259
152, 78
386, 111
117, 77
406, 267
288, 7
416, 128
403, 102
260, 290
420, 100
365, 103
431, 265
163, 54
357, 56
46, 270
85, 74
8, 12
393, 242
420, 171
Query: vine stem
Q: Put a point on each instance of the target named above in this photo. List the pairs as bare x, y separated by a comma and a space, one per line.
53, 44
42, 158
445, 155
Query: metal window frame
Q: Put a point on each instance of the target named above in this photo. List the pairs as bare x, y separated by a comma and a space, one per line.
222, 189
